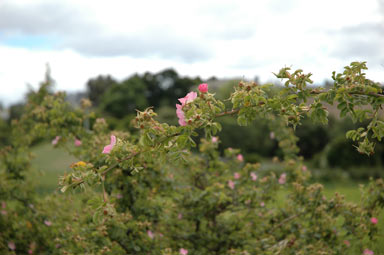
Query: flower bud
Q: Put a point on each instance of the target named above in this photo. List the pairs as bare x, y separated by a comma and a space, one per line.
203, 88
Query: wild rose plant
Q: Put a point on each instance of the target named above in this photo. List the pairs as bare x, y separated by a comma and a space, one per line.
228, 205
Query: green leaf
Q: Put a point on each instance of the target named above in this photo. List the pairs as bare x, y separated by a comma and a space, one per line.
293, 96
97, 216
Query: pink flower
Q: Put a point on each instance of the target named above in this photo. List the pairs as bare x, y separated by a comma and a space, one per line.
180, 216
150, 234
283, 178
368, 252
188, 98
347, 243
240, 157
32, 247
262, 204
203, 88
56, 140
183, 251
77, 142
253, 176
119, 196
374, 220
236, 176
11, 245
48, 223
215, 139
304, 168
109, 147
180, 115
3, 206
231, 184
179, 108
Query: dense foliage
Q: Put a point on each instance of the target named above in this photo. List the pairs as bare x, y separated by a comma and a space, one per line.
158, 197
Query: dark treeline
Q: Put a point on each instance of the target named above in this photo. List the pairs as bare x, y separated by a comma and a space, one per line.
119, 99
325, 147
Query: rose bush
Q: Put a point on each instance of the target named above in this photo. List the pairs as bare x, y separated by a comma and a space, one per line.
160, 195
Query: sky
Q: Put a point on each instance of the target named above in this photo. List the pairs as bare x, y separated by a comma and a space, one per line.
222, 38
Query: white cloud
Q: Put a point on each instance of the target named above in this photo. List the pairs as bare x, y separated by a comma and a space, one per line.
222, 38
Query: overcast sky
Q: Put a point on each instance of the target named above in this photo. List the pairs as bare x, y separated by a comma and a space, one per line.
234, 38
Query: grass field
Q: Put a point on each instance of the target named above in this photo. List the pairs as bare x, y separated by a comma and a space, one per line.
49, 163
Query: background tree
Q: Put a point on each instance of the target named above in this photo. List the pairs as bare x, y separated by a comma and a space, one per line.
124, 98
167, 86
96, 87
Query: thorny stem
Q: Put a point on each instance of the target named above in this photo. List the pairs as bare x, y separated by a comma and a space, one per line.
225, 113
285, 221
315, 92
136, 153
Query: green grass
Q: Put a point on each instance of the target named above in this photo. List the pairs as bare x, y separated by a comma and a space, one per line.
49, 163
350, 190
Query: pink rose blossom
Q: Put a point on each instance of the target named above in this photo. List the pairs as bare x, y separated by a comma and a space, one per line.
180, 216
304, 168
253, 176
215, 139
150, 234
283, 178
11, 245
368, 252
188, 98
180, 115
240, 157
262, 204
48, 223
77, 142
179, 108
231, 184
374, 220
32, 247
203, 88
183, 251
3, 206
347, 243
109, 147
236, 176
56, 140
